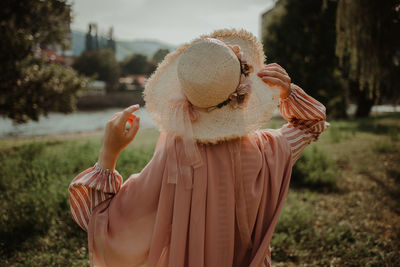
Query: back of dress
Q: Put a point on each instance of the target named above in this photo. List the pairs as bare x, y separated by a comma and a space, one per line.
219, 213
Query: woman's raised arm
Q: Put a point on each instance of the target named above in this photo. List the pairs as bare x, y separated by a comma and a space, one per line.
306, 120
305, 115
101, 182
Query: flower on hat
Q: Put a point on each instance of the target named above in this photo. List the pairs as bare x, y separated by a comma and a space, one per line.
239, 98
246, 68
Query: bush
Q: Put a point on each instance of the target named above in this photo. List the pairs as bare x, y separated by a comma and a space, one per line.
36, 227
294, 226
35, 182
315, 170
299, 237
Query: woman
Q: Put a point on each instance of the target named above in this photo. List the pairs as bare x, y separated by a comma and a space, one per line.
215, 187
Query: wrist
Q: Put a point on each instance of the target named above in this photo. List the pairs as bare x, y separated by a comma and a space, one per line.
285, 94
107, 159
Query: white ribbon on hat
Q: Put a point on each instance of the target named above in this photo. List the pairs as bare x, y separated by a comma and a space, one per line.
181, 122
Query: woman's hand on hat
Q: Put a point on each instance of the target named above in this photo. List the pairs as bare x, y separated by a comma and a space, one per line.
117, 137
274, 75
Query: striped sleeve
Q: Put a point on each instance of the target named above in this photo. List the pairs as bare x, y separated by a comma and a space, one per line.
88, 189
306, 120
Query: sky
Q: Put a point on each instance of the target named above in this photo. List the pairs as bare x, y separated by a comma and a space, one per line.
170, 21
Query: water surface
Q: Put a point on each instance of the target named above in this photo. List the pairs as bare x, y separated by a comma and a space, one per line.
56, 123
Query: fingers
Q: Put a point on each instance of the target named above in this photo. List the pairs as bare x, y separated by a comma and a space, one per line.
271, 73
274, 81
115, 116
134, 128
125, 114
274, 74
276, 67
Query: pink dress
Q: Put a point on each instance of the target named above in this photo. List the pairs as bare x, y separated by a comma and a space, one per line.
221, 213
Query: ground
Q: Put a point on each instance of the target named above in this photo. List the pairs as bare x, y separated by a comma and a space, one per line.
342, 208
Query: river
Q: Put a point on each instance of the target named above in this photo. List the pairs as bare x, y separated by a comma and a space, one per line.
56, 123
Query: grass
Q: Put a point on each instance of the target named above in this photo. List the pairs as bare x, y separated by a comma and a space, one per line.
342, 208
35, 223
315, 170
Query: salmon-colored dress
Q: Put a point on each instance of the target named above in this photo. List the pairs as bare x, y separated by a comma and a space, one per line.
221, 213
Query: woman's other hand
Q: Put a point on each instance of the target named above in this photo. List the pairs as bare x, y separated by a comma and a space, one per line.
274, 75
116, 137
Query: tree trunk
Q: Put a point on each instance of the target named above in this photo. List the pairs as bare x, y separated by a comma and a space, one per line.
364, 104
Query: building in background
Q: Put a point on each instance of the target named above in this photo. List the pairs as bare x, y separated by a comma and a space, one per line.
133, 82
95, 42
267, 16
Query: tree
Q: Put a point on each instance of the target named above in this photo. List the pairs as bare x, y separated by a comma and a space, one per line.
100, 63
58, 86
160, 55
25, 87
301, 38
137, 64
368, 45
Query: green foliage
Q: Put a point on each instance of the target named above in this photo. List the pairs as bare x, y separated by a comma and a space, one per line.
100, 63
385, 147
315, 170
160, 55
36, 227
34, 183
137, 64
45, 88
337, 133
27, 23
369, 47
394, 134
301, 38
27, 87
297, 228
294, 226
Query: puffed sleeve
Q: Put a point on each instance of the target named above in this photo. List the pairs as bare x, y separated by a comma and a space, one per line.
306, 120
89, 188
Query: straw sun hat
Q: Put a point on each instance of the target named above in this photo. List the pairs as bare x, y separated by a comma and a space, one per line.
208, 89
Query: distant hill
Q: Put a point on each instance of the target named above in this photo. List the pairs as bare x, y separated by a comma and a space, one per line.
124, 48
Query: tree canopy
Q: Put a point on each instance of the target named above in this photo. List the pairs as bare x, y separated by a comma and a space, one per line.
368, 45
137, 64
339, 51
26, 88
160, 55
100, 64
301, 38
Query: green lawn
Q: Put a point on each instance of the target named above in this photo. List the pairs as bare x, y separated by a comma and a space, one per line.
342, 208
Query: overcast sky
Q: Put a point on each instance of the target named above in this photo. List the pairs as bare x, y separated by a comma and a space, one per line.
170, 21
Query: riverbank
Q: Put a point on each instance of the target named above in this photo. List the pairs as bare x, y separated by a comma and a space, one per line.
95, 120
342, 208
116, 99
65, 124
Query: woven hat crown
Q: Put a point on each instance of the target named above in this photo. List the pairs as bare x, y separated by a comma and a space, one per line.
208, 71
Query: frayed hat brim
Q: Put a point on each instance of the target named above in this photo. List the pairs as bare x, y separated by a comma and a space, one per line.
220, 124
